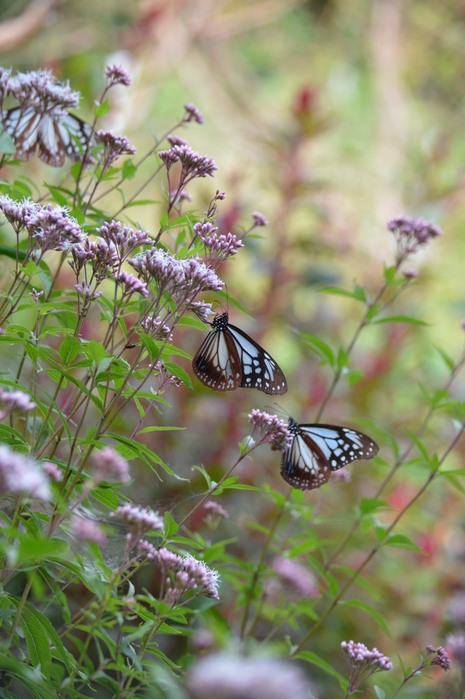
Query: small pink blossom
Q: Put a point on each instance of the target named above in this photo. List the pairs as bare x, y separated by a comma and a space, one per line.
110, 463
296, 575
86, 529
52, 471
117, 75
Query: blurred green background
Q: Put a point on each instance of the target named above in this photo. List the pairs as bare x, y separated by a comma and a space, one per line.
329, 117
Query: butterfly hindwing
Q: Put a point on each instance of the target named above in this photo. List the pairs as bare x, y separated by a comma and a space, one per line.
228, 358
316, 450
22, 125
74, 127
259, 370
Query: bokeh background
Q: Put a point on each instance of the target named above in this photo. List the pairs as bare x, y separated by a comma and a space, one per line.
329, 117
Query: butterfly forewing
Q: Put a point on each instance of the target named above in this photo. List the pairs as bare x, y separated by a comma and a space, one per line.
259, 370
228, 358
316, 450
55, 137
217, 364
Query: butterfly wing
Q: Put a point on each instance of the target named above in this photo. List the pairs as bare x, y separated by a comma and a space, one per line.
217, 363
51, 146
303, 465
319, 449
23, 127
259, 369
72, 127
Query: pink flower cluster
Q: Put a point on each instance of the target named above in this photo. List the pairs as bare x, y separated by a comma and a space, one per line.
110, 464
13, 401
223, 676
183, 573
22, 476
188, 276
52, 228
442, 658
130, 285
192, 114
122, 238
40, 90
156, 329
270, 429
215, 509
117, 75
296, 576
411, 234
139, 520
113, 147
217, 247
87, 530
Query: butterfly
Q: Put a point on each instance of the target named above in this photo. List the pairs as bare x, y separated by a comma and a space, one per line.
229, 359
52, 136
316, 450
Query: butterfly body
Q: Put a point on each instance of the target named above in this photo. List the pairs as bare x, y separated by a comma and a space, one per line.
51, 137
229, 359
317, 450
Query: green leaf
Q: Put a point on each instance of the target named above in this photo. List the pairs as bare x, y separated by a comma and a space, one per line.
352, 376
369, 505
101, 110
69, 349
357, 604
403, 542
358, 294
7, 145
129, 170
399, 319
57, 194
380, 693
159, 429
36, 641
164, 220
59, 650
38, 549
448, 360
193, 323
389, 274
315, 659
319, 347
421, 448
170, 525
176, 370
342, 358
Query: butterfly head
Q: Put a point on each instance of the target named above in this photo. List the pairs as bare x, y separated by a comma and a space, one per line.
220, 321
293, 426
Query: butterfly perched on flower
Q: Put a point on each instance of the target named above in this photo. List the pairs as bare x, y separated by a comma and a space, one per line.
53, 137
317, 450
230, 359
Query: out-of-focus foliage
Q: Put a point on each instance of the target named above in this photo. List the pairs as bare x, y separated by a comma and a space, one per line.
330, 117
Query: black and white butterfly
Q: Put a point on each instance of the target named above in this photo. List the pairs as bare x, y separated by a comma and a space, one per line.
317, 450
229, 359
52, 137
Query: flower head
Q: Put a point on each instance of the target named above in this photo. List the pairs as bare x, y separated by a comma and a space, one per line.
259, 219
52, 229
122, 238
117, 75
155, 328
192, 114
139, 520
22, 476
131, 285
16, 212
410, 273
14, 400
42, 91
442, 659
217, 247
222, 676
52, 471
214, 508
113, 146
411, 234
363, 662
175, 140
295, 575
342, 475
201, 309
185, 573
109, 463
270, 429
86, 529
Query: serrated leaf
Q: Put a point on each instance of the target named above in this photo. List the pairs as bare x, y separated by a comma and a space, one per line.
36, 641
69, 349
357, 604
